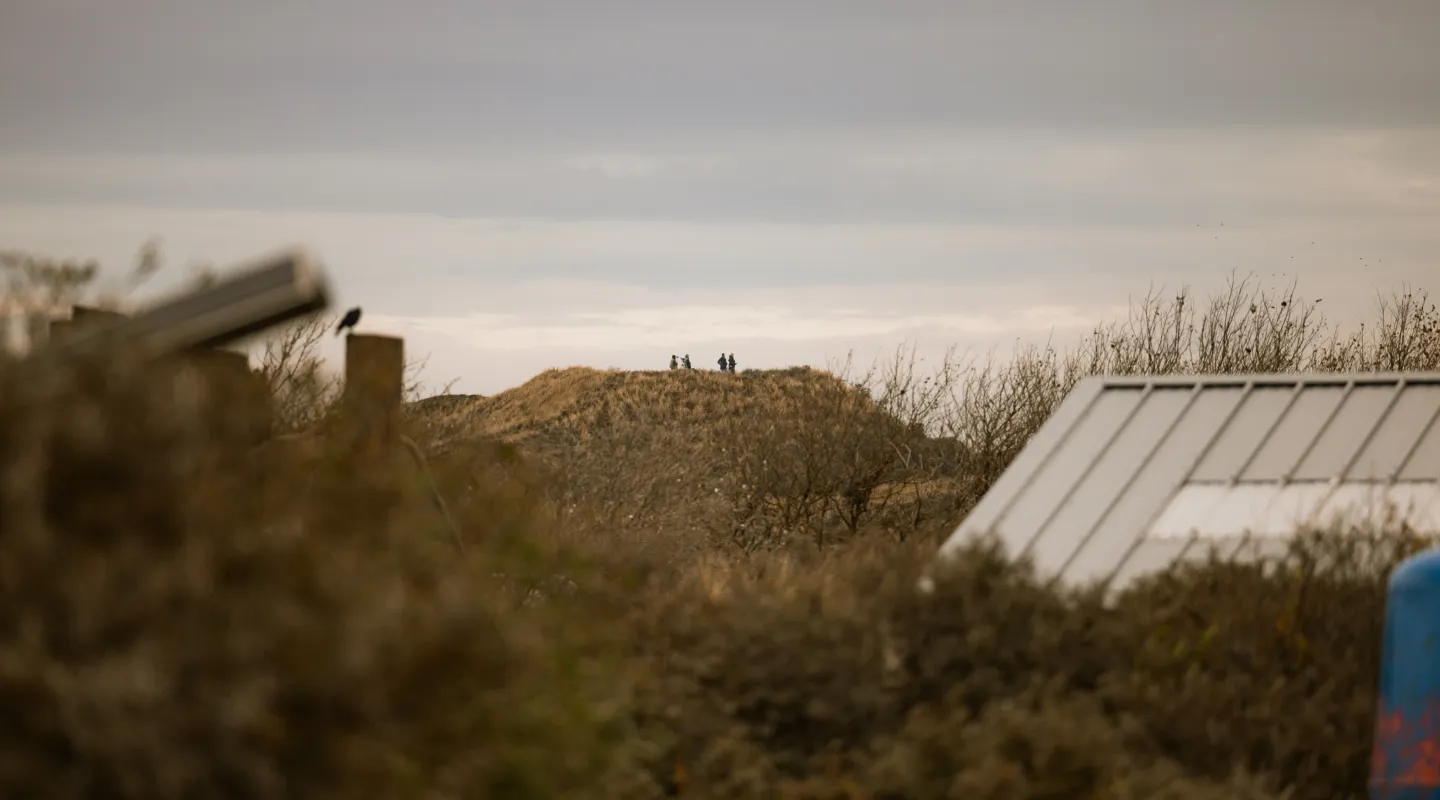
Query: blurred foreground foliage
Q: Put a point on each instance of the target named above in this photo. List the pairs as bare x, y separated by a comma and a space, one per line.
186, 618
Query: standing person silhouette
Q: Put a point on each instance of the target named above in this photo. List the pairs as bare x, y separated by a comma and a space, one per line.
721, 362
674, 362
732, 363
686, 362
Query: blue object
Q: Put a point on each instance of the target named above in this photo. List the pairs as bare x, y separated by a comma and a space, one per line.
1405, 762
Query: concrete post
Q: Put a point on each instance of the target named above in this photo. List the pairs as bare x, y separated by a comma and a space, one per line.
374, 387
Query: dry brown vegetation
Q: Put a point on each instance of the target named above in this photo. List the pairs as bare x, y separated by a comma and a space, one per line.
304, 389
671, 584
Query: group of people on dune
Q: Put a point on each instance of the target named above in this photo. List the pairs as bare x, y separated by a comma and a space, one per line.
727, 363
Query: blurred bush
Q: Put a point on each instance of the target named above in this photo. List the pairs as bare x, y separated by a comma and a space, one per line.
186, 619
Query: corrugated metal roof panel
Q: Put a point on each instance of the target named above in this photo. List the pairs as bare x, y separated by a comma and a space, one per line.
1372, 503
1130, 470
1428, 519
985, 517
1295, 506
1184, 515
1150, 555
1258, 414
1237, 510
1424, 461
1107, 479
1402, 428
1346, 433
1196, 416
1294, 433
1053, 480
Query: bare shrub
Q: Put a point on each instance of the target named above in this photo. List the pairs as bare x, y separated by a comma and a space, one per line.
919, 458
303, 388
36, 286
38, 289
1406, 336
998, 407
1247, 328
819, 453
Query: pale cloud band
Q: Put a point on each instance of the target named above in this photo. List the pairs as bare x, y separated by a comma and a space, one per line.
646, 330
494, 301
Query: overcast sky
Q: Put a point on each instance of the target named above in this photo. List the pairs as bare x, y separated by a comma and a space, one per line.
514, 186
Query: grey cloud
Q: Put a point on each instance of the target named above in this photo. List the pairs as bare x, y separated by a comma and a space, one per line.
1135, 181
472, 110
422, 264
264, 76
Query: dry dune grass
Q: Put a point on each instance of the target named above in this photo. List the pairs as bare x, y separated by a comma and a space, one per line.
664, 585
680, 459
585, 398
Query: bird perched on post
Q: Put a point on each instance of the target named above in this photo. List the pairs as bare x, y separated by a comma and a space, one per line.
348, 321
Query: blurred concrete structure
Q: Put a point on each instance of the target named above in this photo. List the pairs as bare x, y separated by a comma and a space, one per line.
189, 332
249, 299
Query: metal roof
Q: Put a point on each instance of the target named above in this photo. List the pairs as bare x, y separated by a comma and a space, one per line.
1131, 474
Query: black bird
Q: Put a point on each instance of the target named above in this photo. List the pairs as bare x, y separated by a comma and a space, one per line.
348, 321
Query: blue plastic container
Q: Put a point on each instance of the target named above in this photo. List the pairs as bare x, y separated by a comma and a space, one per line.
1405, 764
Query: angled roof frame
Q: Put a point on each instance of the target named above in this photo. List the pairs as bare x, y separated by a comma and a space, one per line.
1119, 451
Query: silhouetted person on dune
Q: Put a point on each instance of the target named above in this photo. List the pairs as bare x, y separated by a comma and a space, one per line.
674, 362
349, 320
686, 362
721, 362
732, 363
